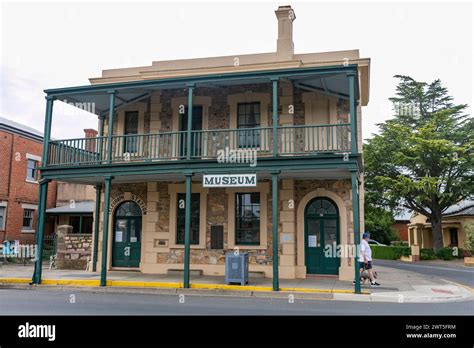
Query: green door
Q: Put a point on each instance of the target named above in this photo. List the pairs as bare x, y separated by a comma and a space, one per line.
321, 231
126, 249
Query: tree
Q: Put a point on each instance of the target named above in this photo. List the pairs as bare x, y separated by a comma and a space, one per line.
379, 222
423, 158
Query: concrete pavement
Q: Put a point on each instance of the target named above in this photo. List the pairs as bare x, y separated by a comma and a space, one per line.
454, 270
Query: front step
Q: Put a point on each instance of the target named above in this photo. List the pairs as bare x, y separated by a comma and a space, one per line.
256, 274
193, 272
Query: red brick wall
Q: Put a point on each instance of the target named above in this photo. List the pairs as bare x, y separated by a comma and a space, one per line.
402, 230
15, 189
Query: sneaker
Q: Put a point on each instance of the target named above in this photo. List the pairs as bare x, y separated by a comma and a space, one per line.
374, 284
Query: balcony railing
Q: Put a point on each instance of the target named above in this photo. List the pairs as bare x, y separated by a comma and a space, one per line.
205, 144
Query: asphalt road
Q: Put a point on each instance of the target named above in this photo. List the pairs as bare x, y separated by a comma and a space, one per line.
453, 271
58, 302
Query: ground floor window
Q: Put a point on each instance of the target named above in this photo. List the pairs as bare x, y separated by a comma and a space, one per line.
247, 218
453, 235
3, 213
181, 216
81, 224
28, 215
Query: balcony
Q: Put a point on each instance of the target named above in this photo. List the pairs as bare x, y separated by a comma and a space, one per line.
292, 141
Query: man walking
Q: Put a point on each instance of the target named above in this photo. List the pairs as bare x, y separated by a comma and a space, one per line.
365, 259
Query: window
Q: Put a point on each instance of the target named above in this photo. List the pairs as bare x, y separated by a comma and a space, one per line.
321, 207
28, 215
248, 118
247, 218
131, 129
453, 235
181, 216
81, 224
3, 213
32, 170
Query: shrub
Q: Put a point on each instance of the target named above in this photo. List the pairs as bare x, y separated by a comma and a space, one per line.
445, 254
469, 242
427, 254
389, 252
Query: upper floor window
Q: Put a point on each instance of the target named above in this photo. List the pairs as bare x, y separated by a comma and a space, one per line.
248, 118
28, 215
181, 217
247, 218
32, 170
130, 129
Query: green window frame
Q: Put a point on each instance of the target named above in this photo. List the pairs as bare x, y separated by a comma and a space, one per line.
247, 218
248, 117
130, 128
181, 217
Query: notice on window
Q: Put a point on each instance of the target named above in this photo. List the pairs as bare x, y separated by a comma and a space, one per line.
133, 239
118, 236
312, 241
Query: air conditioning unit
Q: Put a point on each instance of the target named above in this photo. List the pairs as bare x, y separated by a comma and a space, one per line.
237, 268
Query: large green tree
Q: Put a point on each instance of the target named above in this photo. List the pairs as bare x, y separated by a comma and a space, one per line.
423, 158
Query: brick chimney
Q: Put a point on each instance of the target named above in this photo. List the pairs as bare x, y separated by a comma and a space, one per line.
285, 48
90, 135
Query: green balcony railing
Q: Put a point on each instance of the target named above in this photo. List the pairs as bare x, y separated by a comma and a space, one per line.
205, 144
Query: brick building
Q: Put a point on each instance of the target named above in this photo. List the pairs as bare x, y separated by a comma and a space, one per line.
21, 150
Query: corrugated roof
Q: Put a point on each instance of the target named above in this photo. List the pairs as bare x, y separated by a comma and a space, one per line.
465, 207
18, 128
79, 207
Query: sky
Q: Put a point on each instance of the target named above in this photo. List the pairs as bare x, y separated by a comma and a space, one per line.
62, 44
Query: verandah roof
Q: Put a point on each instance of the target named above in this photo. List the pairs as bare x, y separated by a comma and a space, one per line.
327, 80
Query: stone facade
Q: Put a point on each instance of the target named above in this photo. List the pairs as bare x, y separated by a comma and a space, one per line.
73, 250
160, 254
159, 250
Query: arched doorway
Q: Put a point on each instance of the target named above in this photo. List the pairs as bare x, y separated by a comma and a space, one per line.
321, 229
126, 248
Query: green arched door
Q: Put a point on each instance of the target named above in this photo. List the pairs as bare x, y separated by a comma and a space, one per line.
321, 230
127, 235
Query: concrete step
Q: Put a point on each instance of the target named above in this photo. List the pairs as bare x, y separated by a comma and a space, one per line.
180, 272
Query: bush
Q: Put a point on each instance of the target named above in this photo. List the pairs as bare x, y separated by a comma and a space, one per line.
469, 242
427, 254
399, 243
389, 252
445, 254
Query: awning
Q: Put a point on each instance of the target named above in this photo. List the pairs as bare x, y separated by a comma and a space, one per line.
84, 207
327, 80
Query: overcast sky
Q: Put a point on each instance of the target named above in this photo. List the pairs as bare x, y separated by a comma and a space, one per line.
46, 45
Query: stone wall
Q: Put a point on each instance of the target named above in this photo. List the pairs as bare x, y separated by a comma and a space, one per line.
73, 250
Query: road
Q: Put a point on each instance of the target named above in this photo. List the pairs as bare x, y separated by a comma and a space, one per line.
59, 302
453, 271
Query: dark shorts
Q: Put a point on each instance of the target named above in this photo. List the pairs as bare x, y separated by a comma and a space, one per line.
366, 266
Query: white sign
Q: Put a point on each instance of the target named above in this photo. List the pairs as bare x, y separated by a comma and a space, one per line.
118, 236
229, 180
312, 241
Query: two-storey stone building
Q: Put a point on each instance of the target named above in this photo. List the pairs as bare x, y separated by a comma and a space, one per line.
181, 143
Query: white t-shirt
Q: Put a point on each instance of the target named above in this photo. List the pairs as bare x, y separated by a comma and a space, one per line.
365, 250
